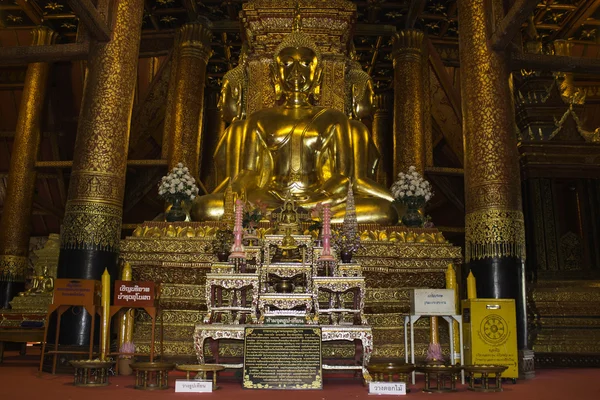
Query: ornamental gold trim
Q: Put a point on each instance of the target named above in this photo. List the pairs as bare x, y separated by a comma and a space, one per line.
12, 268
494, 233
92, 226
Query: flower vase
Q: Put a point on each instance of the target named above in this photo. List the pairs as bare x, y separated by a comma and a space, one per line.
346, 256
412, 218
175, 213
223, 256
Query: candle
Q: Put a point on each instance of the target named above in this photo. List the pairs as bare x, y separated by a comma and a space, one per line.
471, 286
105, 315
126, 318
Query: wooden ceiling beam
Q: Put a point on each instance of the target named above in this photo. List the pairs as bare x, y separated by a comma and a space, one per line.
508, 28
580, 16
91, 18
415, 9
153, 19
543, 62
32, 11
20, 55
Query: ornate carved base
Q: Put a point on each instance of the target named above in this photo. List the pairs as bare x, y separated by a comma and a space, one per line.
393, 258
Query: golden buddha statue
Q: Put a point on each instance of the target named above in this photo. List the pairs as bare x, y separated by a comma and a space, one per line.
366, 154
40, 284
232, 107
301, 149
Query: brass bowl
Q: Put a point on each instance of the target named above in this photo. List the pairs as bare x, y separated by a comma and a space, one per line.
284, 286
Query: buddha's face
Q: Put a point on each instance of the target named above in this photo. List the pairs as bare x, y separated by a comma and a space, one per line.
364, 107
296, 69
228, 104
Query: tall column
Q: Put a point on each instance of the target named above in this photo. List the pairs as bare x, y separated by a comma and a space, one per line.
495, 233
382, 136
188, 99
91, 229
409, 136
15, 225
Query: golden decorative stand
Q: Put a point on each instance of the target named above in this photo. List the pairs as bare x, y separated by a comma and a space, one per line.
152, 375
91, 373
202, 369
387, 371
443, 376
485, 371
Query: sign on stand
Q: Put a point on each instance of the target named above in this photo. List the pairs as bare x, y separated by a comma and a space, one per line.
432, 302
283, 358
193, 386
393, 388
134, 293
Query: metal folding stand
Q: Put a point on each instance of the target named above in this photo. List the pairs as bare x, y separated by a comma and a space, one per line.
409, 322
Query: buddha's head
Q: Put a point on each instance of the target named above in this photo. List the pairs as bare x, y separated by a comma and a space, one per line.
297, 63
360, 88
235, 82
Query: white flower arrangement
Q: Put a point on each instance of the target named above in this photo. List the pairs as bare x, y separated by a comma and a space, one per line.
178, 185
411, 185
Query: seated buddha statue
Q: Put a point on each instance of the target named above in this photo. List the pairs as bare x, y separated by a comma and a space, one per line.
232, 108
40, 284
298, 148
365, 153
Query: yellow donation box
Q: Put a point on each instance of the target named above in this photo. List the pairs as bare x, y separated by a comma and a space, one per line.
490, 334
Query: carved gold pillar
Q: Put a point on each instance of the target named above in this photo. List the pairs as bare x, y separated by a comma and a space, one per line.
15, 225
188, 98
167, 124
382, 136
409, 137
495, 233
91, 229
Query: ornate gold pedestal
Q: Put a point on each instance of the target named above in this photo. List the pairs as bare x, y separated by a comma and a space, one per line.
393, 259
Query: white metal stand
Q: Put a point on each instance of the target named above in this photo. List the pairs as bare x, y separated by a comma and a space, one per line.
411, 319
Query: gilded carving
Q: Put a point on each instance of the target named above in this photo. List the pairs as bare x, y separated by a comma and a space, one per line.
13, 268
494, 219
93, 212
15, 221
188, 98
91, 225
409, 135
494, 233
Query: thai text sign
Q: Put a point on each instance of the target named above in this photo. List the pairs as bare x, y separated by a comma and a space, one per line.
283, 358
134, 294
76, 292
193, 386
432, 302
397, 388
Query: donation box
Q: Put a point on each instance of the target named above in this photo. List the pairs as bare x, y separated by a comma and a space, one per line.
490, 334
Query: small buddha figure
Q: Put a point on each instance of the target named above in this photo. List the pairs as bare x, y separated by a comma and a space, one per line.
298, 148
41, 284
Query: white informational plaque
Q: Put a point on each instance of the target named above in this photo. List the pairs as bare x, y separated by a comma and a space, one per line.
193, 386
432, 302
393, 388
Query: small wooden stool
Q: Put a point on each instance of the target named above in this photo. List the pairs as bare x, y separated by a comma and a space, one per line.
485, 371
152, 375
202, 369
91, 373
444, 376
